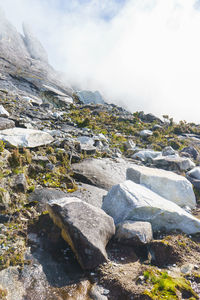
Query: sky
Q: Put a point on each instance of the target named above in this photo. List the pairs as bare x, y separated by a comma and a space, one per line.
141, 54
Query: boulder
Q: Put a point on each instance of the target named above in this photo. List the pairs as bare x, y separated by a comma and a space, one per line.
191, 151
146, 133
134, 233
167, 151
90, 194
87, 144
103, 173
3, 112
131, 201
173, 163
194, 173
90, 97
145, 155
86, 229
6, 123
42, 196
194, 177
21, 137
167, 184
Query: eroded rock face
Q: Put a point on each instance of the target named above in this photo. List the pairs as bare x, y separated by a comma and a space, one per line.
131, 201
21, 137
167, 184
86, 229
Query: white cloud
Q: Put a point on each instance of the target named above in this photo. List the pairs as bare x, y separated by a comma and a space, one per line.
146, 57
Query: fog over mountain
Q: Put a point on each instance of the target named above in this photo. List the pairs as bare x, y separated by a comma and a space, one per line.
140, 54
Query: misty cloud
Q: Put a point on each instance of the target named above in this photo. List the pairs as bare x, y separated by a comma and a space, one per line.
143, 54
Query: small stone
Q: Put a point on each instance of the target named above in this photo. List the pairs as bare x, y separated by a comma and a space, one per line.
20, 183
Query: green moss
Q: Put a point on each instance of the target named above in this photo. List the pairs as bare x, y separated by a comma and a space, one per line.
166, 286
2, 146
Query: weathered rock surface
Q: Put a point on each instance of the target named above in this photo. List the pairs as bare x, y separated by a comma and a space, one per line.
86, 229
145, 155
90, 194
131, 201
134, 233
103, 173
6, 123
21, 137
194, 177
42, 196
167, 184
192, 151
173, 163
90, 97
167, 151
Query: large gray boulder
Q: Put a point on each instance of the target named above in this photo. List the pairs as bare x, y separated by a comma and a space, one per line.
86, 229
167, 184
21, 137
173, 163
103, 173
131, 201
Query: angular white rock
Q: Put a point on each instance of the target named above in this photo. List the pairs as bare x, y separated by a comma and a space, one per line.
21, 137
167, 184
3, 112
131, 201
146, 154
145, 133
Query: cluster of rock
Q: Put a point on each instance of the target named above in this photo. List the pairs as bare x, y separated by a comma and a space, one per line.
74, 182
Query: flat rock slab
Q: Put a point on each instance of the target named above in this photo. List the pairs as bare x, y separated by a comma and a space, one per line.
103, 173
167, 184
131, 201
21, 137
85, 228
